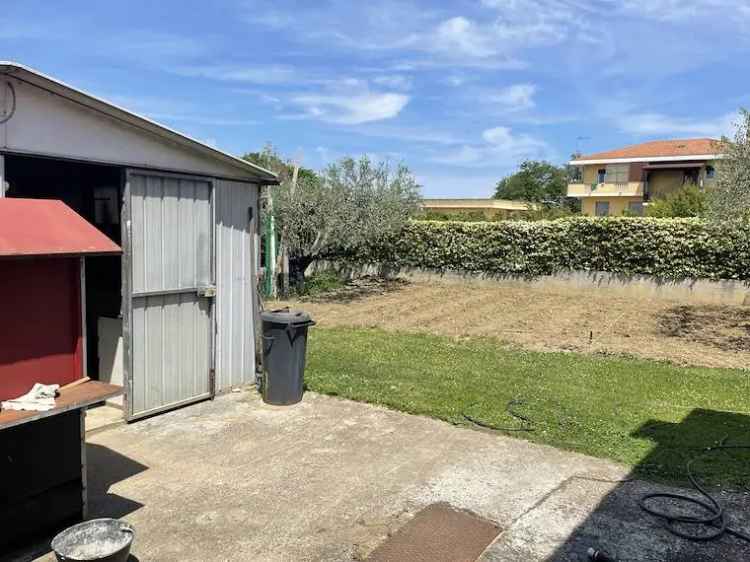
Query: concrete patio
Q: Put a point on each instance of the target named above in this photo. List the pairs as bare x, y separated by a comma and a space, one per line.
329, 479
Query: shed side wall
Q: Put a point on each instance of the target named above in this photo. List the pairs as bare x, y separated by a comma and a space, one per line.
235, 283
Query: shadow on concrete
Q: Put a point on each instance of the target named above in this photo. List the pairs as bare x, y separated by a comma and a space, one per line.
618, 526
105, 468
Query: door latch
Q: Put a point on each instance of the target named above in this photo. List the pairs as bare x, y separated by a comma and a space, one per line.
208, 291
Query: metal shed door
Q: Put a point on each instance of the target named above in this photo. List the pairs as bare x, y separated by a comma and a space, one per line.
168, 325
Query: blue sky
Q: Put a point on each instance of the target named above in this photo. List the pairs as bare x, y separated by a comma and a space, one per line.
459, 91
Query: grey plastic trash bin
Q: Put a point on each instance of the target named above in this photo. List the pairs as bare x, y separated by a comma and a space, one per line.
284, 348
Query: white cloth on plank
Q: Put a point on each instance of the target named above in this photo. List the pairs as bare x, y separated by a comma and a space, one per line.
40, 398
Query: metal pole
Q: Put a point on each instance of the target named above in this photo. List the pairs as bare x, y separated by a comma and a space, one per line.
284, 248
84, 342
2, 175
270, 247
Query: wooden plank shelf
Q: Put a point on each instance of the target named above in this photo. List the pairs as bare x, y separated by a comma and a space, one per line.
80, 396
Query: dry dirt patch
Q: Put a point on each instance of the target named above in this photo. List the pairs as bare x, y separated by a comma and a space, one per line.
723, 327
593, 321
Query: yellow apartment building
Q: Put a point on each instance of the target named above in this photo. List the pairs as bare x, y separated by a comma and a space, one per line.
624, 180
490, 208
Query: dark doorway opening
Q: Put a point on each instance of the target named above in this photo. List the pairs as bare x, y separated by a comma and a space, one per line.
95, 192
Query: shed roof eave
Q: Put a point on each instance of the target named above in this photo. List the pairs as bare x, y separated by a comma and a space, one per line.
33, 77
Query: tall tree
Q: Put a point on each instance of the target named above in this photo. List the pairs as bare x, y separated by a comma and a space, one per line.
350, 203
730, 199
536, 181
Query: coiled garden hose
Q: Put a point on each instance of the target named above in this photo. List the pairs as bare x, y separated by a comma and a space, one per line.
716, 516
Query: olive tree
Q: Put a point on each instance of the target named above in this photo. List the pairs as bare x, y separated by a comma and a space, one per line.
730, 199
340, 209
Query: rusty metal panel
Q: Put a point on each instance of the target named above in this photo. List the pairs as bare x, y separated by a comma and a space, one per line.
170, 235
236, 216
37, 227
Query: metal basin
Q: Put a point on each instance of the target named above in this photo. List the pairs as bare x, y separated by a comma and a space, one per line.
107, 540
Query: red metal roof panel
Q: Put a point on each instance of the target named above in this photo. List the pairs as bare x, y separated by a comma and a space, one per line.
43, 227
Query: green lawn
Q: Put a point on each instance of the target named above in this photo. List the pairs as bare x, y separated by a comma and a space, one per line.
652, 416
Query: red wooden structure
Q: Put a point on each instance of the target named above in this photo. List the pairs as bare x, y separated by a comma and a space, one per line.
42, 243
42, 322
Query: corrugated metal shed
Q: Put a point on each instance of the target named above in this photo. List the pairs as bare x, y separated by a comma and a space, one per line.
34, 227
188, 219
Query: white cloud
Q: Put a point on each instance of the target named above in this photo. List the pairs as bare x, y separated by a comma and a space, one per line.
395, 81
173, 110
410, 134
519, 24
488, 38
260, 74
272, 19
150, 46
501, 147
515, 97
461, 36
455, 80
652, 124
681, 10
351, 109
344, 100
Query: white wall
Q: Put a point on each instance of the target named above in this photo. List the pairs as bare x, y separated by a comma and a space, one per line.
48, 124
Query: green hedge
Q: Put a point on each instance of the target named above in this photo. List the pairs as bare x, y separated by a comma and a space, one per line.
664, 248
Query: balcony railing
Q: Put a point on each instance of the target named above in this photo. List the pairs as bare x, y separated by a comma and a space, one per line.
624, 189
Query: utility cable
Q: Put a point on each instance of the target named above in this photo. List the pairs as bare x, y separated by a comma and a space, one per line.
6, 118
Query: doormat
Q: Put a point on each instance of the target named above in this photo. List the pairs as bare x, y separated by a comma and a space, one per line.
438, 533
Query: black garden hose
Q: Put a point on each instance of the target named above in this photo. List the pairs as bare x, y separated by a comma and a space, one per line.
716, 517
510, 408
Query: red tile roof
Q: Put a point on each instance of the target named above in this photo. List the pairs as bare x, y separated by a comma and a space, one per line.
662, 148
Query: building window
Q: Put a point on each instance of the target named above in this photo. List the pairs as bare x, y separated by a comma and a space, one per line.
690, 177
635, 208
618, 173
602, 208
601, 175
576, 174
710, 172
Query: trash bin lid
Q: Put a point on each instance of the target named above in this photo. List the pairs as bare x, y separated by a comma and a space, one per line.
285, 316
